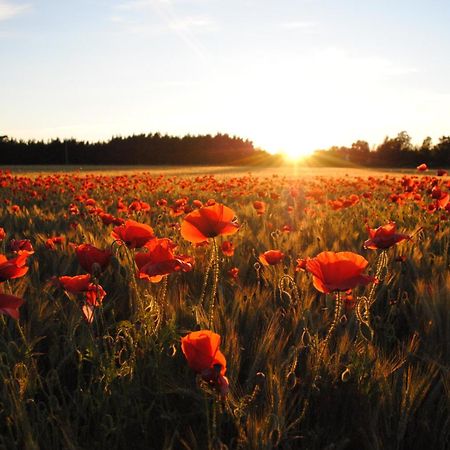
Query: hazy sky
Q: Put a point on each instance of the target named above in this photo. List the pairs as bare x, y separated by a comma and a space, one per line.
297, 74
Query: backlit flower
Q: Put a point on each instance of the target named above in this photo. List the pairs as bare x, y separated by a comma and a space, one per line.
13, 268
208, 222
384, 237
338, 271
271, 257
159, 260
201, 349
92, 259
133, 234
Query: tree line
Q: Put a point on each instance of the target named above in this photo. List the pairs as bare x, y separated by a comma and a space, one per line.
219, 149
141, 149
392, 152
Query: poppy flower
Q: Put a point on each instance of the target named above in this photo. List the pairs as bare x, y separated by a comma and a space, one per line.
201, 349
233, 273
422, 167
22, 246
133, 234
93, 293
338, 271
2, 234
76, 284
109, 219
13, 268
271, 257
384, 237
260, 207
441, 173
10, 304
208, 222
51, 243
92, 259
227, 248
301, 265
159, 260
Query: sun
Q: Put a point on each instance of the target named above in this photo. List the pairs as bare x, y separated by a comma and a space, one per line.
296, 154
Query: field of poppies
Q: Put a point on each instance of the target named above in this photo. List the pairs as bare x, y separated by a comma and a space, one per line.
152, 310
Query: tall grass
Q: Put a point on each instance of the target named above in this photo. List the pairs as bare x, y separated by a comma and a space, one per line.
123, 382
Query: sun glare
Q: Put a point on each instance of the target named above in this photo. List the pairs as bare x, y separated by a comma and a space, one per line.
295, 154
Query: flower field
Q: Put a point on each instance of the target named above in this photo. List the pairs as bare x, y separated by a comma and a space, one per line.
198, 311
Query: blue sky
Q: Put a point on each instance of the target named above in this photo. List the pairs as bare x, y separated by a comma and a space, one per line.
289, 75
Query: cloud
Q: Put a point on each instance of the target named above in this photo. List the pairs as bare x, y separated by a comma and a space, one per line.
8, 10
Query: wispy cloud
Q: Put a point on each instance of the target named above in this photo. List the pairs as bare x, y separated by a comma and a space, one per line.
9, 10
186, 27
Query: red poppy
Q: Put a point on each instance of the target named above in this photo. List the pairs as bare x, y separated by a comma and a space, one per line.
13, 268
133, 234
10, 304
234, 273
208, 222
422, 168
51, 243
22, 246
92, 259
260, 207
441, 173
160, 261
271, 257
227, 248
76, 284
338, 271
109, 219
81, 284
301, 265
2, 234
384, 237
201, 349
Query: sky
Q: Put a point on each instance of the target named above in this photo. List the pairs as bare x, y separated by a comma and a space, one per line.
290, 75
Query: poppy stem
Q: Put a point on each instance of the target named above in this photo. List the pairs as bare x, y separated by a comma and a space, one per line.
215, 282
382, 264
336, 318
205, 280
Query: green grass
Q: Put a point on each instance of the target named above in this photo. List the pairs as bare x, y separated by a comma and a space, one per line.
123, 382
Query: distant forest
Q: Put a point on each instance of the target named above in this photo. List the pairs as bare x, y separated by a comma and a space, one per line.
392, 152
142, 149
220, 149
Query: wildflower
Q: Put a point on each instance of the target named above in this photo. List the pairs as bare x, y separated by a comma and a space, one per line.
384, 237
92, 259
208, 222
13, 268
422, 167
159, 260
271, 257
201, 349
260, 207
227, 248
51, 243
10, 304
133, 234
22, 246
338, 271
